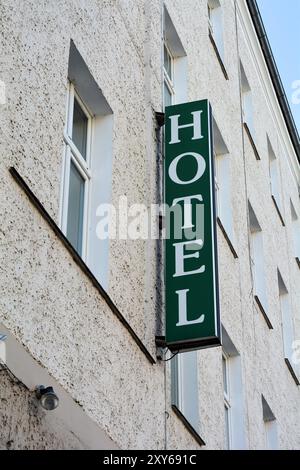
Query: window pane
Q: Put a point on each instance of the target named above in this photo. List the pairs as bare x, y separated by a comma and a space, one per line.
75, 209
168, 62
79, 133
167, 96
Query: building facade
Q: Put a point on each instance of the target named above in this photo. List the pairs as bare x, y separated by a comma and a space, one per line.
83, 89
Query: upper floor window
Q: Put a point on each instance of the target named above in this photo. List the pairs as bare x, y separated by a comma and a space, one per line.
275, 180
232, 394
174, 65
87, 166
215, 23
169, 88
296, 233
258, 264
270, 426
78, 171
184, 367
287, 327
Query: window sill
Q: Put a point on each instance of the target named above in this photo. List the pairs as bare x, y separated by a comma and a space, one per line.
278, 211
262, 310
292, 371
188, 426
227, 238
218, 55
248, 132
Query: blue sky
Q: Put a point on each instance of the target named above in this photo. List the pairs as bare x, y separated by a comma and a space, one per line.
282, 23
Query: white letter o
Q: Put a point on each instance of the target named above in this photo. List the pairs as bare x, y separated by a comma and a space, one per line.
173, 168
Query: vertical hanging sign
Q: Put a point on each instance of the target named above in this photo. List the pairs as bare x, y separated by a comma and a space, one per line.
191, 280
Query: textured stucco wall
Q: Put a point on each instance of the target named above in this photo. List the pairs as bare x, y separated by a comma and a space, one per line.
23, 424
49, 304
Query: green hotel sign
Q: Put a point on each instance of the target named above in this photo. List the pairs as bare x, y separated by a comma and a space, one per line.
192, 304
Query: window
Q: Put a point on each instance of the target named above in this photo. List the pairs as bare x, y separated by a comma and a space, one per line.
169, 90
233, 395
185, 394
247, 105
174, 65
223, 187
87, 165
296, 233
287, 326
274, 180
258, 264
270, 427
215, 23
2, 92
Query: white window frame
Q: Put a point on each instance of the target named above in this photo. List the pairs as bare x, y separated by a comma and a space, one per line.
83, 165
169, 81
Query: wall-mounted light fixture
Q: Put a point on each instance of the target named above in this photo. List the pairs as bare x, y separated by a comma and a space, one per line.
48, 399
2, 337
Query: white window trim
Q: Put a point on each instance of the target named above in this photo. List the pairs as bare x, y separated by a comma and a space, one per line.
72, 154
210, 24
